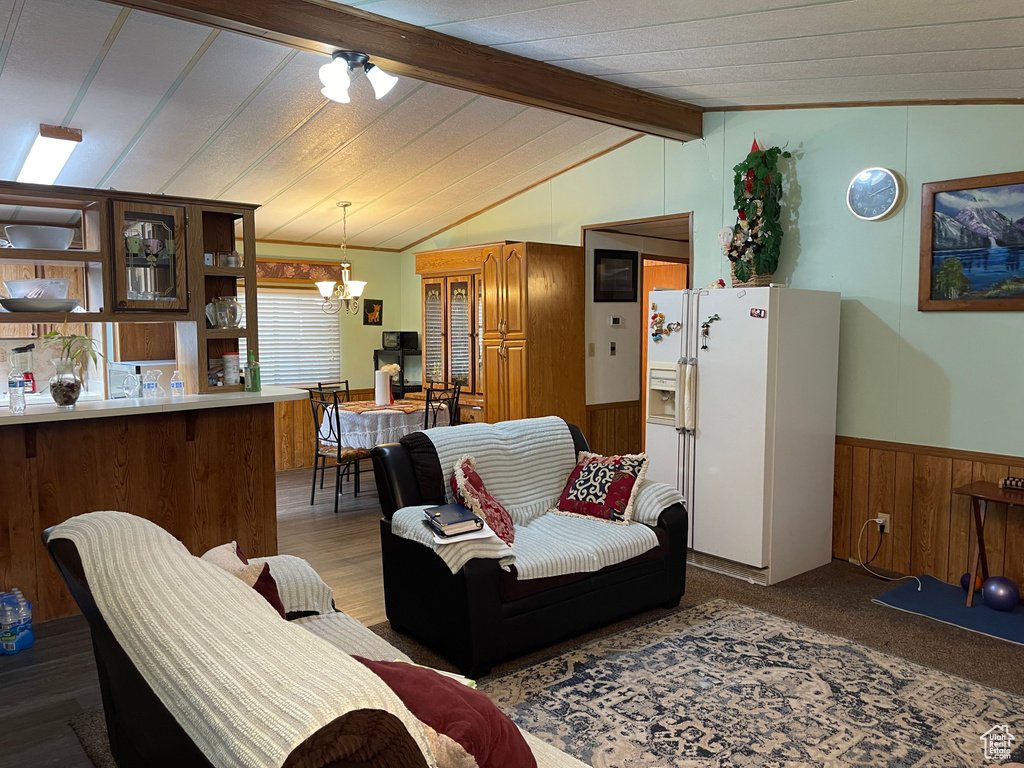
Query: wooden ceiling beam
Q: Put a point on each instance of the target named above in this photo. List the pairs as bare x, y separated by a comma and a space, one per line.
406, 50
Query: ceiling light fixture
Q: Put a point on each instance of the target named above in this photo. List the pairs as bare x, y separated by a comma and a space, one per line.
347, 292
50, 151
337, 76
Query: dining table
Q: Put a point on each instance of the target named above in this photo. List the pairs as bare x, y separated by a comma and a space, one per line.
364, 424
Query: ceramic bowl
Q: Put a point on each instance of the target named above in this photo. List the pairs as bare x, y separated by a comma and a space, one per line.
41, 237
44, 288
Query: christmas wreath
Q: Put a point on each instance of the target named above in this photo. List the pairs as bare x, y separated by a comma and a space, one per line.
757, 234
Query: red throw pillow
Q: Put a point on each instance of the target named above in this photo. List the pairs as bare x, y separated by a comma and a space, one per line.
461, 713
603, 487
469, 489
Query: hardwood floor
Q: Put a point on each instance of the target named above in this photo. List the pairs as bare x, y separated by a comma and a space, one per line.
344, 548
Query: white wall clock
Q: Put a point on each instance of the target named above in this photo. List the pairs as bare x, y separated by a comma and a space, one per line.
873, 194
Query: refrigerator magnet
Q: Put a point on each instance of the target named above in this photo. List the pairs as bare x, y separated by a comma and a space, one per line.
759, 313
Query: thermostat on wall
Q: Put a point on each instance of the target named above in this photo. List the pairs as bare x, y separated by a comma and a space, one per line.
615, 321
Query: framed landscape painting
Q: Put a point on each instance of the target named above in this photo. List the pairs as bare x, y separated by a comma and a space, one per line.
972, 243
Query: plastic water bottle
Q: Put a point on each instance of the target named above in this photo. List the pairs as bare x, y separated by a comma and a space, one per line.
177, 386
15, 623
16, 390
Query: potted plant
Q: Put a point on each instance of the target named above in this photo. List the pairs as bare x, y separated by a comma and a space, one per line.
66, 383
756, 238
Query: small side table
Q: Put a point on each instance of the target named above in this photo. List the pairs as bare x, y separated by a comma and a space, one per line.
982, 492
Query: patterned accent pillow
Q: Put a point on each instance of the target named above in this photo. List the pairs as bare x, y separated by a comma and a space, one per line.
603, 487
469, 489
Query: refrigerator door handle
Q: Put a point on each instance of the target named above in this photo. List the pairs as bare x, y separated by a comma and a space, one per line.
686, 416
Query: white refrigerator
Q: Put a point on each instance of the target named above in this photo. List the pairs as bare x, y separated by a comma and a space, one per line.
741, 416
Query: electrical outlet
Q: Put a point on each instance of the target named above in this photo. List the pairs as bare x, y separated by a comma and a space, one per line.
884, 525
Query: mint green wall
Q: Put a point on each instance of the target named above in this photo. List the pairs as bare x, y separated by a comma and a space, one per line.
948, 379
381, 273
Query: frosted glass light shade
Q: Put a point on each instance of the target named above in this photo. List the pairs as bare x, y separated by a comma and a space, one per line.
45, 160
334, 75
326, 288
356, 287
381, 81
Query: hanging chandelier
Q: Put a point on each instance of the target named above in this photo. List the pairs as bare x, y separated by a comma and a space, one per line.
347, 292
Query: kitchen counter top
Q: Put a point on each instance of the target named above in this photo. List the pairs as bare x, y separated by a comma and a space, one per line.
99, 409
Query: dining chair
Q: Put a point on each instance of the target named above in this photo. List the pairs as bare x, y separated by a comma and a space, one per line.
325, 404
442, 395
336, 386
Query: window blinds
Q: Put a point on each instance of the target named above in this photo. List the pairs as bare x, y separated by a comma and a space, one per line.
299, 343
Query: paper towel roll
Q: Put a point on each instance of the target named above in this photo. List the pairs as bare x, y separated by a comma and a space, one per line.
381, 388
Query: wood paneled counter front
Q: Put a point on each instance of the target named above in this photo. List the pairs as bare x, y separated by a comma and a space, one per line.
202, 468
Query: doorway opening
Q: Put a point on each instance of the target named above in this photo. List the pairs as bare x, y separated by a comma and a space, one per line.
617, 331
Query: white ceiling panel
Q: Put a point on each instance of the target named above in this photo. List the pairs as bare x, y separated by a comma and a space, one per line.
174, 107
145, 61
282, 107
512, 186
362, 154
225, 76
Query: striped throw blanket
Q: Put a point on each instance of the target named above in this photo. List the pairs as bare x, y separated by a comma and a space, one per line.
246, 686
525, 465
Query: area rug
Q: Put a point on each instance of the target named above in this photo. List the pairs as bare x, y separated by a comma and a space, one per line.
721, 684
948, 603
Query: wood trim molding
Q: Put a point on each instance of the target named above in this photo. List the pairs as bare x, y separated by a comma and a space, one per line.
591, 408
851, 104
410, 51
928, 450
351, 247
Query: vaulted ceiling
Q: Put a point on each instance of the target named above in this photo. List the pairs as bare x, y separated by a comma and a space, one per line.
177, 107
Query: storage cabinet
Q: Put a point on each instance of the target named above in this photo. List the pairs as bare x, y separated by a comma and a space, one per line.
530, 312
139, 258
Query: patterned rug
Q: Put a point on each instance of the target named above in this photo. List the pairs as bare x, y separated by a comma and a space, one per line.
721, 684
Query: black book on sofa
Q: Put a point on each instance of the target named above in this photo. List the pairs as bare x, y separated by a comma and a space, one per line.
483, 614
452, 519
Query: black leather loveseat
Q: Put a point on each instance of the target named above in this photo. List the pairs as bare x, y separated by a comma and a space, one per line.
482, 614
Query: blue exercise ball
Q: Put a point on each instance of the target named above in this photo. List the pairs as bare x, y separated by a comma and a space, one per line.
1001, 594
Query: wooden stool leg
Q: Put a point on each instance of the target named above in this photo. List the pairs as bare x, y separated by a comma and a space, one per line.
979, 506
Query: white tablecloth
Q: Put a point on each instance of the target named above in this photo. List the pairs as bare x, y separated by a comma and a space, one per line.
371, 428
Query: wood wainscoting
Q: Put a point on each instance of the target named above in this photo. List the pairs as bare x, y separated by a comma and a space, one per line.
931, 529
293, 431
614, 428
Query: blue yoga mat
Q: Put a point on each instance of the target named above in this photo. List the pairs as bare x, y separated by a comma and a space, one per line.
948, 603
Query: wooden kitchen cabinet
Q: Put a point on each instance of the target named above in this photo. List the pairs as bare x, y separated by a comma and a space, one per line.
531, 319
141, 259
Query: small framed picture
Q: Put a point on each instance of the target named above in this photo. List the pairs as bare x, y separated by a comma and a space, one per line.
373, 312
615, 275
208, 259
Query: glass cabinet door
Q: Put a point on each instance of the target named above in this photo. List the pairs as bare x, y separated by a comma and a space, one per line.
149, 257
461, 331
433, 330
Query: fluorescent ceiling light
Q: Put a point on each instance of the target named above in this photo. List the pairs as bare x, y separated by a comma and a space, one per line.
50, 151
381, 81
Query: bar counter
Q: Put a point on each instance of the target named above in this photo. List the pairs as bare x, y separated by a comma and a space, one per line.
202, 468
